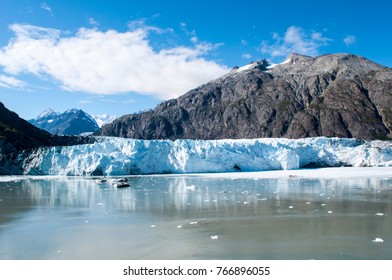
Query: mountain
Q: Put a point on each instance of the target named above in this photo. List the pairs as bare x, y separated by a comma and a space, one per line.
17, 134
71, 122
340, 95
18, 138
103, 119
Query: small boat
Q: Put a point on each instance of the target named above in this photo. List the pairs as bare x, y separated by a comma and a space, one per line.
122, 180
121, 185
101, 181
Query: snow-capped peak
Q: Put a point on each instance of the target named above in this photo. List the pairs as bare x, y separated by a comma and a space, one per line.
72, 110
47, 112
263, 64
103, 119
71, 122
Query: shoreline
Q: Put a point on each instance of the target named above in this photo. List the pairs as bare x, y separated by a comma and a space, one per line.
325, 173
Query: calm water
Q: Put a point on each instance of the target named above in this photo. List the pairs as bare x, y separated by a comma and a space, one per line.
196, 217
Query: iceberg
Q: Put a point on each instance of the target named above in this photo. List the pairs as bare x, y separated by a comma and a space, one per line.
121, 156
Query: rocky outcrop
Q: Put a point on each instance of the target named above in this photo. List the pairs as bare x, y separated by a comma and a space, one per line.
338, 95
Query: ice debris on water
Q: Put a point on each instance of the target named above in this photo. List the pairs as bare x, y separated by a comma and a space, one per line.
193, 223
214, 237
379, 214
152, 226
378, 240
330, 212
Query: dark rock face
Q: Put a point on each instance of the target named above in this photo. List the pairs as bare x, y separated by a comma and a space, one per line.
71, 122
338, 95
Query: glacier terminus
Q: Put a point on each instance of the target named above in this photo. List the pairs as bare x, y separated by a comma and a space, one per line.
120, 156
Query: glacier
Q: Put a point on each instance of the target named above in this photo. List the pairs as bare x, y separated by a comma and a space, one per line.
120, 156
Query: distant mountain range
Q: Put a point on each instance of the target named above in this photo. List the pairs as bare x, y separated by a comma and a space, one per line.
340, 95
16, 134
71, 122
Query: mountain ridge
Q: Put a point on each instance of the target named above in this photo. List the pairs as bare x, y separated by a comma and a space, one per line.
334, 95
71, 122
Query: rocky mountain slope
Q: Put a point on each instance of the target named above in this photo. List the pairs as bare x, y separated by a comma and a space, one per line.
338, 95
71, 122
18, 134
18, 137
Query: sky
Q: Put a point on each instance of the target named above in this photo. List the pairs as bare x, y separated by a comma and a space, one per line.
120, 57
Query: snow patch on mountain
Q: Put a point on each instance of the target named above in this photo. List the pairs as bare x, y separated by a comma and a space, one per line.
48, 112
120, 156
103, 119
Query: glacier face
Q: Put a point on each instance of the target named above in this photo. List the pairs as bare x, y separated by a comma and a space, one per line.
120, 156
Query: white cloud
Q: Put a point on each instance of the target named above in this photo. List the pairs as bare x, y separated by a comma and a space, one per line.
295, 40
194, 39
128, 101
244, 42
108, 62
11, 82
246, 56
85, 101
93, 22
350, 40
46, 7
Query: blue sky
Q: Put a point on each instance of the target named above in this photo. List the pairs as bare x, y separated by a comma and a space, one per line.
120, 57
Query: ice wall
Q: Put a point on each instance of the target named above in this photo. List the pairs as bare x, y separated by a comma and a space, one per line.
119, 156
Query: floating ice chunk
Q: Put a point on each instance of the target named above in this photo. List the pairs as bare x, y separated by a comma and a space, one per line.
378, 240
153, 226
307, 202
379, 214
291, 207
180, 226
246, 202
323, 204
193, 223
330, 212
214, 237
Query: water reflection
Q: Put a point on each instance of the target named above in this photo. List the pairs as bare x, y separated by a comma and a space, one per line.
292, 218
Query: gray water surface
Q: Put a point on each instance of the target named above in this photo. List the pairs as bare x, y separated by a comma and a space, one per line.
196, 217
